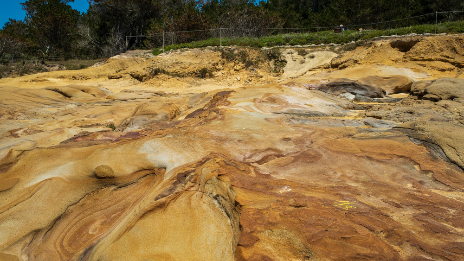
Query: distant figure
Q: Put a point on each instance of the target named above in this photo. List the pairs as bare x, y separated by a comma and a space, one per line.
360, 30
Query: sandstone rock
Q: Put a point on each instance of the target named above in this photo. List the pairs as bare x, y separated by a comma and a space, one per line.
448, 50
418, 88
391, 85
348, 96
431, 97
297, 65
372, 122
447, 135
238, 67
104, 172
92, 90
115, 76
124, 96
438, 65
200, 172
140, 75
442, 89
72, 93
337, 88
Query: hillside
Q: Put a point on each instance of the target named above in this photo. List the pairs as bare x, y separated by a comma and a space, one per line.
239, 154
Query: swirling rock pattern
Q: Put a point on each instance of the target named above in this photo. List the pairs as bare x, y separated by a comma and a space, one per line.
274, 172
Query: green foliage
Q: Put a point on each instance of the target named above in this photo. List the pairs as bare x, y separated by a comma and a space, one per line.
205, 72
52, 26
227, 54
157, 51
274, 54
157, 71
111, 126
302, 52
352, 38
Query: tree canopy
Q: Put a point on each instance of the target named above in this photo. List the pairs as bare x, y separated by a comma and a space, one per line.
52, 27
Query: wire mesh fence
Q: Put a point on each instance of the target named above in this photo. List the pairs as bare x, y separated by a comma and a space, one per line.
164, 39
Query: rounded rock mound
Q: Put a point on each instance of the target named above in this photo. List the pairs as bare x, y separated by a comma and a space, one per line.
104, 172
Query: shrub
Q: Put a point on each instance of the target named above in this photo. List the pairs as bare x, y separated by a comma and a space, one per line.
273, 54
204, 72
322, 37
228, 55
302, 52
111, 126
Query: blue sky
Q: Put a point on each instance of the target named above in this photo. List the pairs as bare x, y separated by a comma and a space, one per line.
13, 9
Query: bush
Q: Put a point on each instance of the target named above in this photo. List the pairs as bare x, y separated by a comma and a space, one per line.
157, 51
323, 37
111, 126
302, 52
204, 72
156, 71
227, 55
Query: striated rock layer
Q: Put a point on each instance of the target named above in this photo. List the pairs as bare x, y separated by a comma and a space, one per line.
288, 171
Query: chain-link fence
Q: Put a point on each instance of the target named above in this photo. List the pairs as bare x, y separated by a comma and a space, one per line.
164, 39
430, 18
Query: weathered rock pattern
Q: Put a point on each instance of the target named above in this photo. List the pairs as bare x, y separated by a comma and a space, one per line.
391, 85
440, 89
285, 171
355, 88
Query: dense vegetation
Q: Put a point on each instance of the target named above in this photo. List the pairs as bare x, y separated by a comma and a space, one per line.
353, 37
53, 29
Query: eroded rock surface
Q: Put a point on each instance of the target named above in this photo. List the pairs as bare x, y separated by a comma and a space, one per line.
282, 171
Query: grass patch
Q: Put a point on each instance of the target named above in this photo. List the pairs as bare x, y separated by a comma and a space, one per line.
111, 126
317, 38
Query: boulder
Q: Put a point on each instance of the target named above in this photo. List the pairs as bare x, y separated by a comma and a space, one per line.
355, 88
440, 89
391, 84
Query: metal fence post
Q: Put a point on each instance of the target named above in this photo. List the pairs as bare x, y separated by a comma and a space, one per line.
220, 37
436, 21
163, 41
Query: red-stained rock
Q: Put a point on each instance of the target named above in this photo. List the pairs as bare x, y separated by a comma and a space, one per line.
274, 172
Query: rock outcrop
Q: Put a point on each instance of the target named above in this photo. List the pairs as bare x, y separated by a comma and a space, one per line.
391, 85
295, 170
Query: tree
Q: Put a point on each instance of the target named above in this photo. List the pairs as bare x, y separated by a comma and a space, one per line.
244, 17
113, 20
53, 25
14, 39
